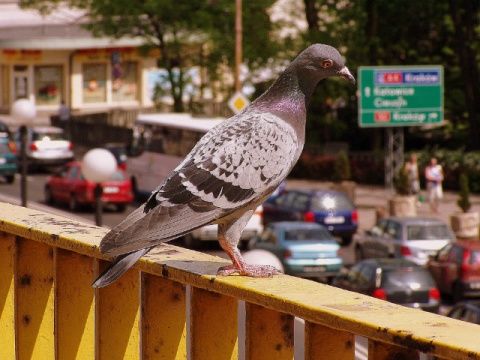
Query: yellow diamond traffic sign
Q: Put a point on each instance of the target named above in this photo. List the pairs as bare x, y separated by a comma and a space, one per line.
238, 102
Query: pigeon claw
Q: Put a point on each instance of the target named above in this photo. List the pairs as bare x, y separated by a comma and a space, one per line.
249, 270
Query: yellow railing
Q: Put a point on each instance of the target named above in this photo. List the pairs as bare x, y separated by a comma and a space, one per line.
48, 310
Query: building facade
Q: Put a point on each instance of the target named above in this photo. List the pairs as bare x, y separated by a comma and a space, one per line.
50, 59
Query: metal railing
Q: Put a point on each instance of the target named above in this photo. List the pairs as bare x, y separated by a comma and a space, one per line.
173, 306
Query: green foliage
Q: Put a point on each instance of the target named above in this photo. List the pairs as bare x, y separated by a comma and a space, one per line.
342, 167
402, 183
464, 194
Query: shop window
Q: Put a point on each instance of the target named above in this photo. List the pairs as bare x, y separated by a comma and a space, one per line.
124, 82
94, 83
48, 87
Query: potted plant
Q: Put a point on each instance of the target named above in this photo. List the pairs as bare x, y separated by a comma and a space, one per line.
465, 223
342, 175
403, 203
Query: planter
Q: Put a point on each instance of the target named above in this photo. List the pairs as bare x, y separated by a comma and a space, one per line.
403, 205
347, 187
465, 225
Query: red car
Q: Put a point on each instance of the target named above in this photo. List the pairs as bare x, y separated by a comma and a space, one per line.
70, 187
456, 269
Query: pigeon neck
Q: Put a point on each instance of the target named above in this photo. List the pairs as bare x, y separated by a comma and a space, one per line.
289, 96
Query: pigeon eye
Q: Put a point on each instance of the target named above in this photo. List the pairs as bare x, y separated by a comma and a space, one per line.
327, 63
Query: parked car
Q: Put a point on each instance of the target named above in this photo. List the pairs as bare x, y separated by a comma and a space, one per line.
195, 239
119, 150
412, 238
306, 250
456, 269
46, 145
332, 209
468, 311
396, 280
8, 160
70, 187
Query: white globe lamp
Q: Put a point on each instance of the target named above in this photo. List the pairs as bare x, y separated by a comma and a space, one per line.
23, 111
262, 257
98, 165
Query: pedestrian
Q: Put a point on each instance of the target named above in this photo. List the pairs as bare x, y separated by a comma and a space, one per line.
411, 166
434, 177
64, 115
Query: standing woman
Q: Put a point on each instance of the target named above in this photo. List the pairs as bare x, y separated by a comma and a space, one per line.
434, 177
411, 166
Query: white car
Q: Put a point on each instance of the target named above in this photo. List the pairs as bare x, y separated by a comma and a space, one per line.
46, 145
413, 238
210, 232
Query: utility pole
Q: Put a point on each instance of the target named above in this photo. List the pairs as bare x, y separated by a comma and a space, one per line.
238, 43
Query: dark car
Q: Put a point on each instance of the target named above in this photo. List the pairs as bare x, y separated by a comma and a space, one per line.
413, 238
468, 311
456, 269
8, 160
70, 187
396, 280
332, 209
119, 150
305, 249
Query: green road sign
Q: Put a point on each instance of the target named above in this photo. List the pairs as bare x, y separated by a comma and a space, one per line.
400, 96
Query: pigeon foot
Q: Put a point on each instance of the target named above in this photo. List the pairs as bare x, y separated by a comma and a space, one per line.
249, 270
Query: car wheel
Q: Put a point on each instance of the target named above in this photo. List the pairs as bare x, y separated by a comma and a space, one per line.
48, 196
346, 241
10, 179
73, 203
121, 207
190, 242
358, 254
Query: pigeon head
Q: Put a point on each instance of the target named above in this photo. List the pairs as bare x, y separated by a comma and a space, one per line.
291, 93
322, 61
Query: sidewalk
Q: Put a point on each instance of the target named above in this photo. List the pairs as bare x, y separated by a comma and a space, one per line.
369, 198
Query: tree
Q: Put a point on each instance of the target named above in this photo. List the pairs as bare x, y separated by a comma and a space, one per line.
187, 33
465, 18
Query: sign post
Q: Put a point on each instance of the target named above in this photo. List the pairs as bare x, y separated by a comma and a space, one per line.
400, 96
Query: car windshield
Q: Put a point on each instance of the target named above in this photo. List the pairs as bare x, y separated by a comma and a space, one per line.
406, 278
307, 235
47, 136
329, 202
428, 232
475, 257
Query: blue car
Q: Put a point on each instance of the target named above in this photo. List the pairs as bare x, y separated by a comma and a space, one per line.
332, 209
305, 250
8, 160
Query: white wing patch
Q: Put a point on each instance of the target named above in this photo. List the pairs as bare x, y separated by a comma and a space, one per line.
244, 157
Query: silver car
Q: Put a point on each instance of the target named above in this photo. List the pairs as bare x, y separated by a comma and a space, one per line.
411, 238
46, 145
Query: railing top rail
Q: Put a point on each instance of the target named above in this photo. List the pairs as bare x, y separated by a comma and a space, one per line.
318, 303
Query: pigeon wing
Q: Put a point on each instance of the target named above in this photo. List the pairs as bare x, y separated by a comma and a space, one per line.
232, 168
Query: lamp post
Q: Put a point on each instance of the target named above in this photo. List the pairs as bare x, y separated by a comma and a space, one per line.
99, 165
23, 112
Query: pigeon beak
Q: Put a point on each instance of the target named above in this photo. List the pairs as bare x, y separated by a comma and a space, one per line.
345, 73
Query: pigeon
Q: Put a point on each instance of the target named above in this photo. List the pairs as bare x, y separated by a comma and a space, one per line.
232, 170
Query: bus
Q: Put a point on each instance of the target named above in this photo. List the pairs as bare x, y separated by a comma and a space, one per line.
160, 143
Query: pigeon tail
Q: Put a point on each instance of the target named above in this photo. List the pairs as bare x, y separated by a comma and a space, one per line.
118, 267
